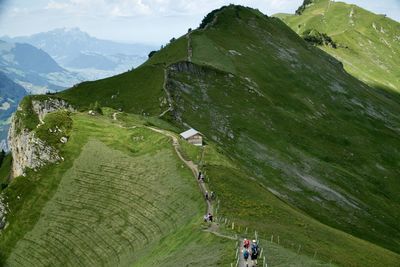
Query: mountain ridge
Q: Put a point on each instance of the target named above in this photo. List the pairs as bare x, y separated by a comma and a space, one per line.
300, 158
368, 44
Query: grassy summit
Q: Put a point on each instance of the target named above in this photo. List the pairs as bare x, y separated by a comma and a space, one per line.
368, 44
297, 147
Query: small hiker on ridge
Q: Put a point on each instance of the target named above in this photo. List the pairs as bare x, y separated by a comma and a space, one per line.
246, 256
254, 252
246, 243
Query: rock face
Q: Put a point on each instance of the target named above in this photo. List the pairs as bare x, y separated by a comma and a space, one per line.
42, 108
3, 213
27, 150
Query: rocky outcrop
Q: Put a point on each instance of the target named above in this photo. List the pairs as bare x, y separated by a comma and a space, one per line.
44, 107
28, 151
3, 213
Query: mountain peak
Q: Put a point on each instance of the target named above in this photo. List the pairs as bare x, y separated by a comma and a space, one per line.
308, 3
231, 11
69, 31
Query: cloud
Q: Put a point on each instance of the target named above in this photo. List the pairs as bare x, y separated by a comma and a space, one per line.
130, 8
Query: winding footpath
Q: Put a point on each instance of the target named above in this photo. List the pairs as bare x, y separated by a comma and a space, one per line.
168, 95
195, 170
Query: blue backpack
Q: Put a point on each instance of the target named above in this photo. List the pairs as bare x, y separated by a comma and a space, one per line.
254, 249
245, 254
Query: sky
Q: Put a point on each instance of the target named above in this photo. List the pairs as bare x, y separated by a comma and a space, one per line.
138, 21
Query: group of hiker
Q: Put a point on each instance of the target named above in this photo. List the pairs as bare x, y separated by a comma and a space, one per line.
208, 196
250, 250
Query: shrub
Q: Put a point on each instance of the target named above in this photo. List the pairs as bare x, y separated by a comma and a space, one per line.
303, 7
210, 17
98, 108
316, 38
152, 53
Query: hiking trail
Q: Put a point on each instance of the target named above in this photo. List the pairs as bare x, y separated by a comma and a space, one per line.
169, 98
213, 228
189, 47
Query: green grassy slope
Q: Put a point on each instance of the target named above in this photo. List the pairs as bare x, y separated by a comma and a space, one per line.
138, 91
118, 194
368, 44
321, 145
319, 133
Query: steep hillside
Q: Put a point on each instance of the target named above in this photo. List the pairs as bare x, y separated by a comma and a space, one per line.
118, 192
296, 148
368, 44
290, 118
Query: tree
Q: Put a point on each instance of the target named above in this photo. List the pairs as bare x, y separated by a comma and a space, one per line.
97, 108
152, 53
172, 40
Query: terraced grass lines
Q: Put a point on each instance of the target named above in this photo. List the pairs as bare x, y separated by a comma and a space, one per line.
110, 207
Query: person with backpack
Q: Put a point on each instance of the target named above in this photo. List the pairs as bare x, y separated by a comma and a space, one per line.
210, 217
246, 256
246, 243
199, 176
212, 195
206, 195
254, 252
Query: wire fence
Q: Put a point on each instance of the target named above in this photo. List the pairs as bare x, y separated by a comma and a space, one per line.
241, 232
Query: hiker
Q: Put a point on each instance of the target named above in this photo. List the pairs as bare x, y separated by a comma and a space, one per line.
254, 252
199, 176
202, 177
246, 243
205, 218
206, 195
210, 217
246, 256
212, 195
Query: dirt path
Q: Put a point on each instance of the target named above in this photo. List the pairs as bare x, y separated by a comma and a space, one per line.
189, 47
193, 167
168, 95
195, 170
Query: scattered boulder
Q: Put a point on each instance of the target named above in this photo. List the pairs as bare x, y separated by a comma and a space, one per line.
64, 140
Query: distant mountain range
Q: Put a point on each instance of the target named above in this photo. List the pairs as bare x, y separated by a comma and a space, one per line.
93, 58
34, 69
56, 60
10, 95
26, 69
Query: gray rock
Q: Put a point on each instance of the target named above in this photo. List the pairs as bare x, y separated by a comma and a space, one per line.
3, 213
27, 150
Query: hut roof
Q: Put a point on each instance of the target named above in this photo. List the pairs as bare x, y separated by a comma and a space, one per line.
189, 133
